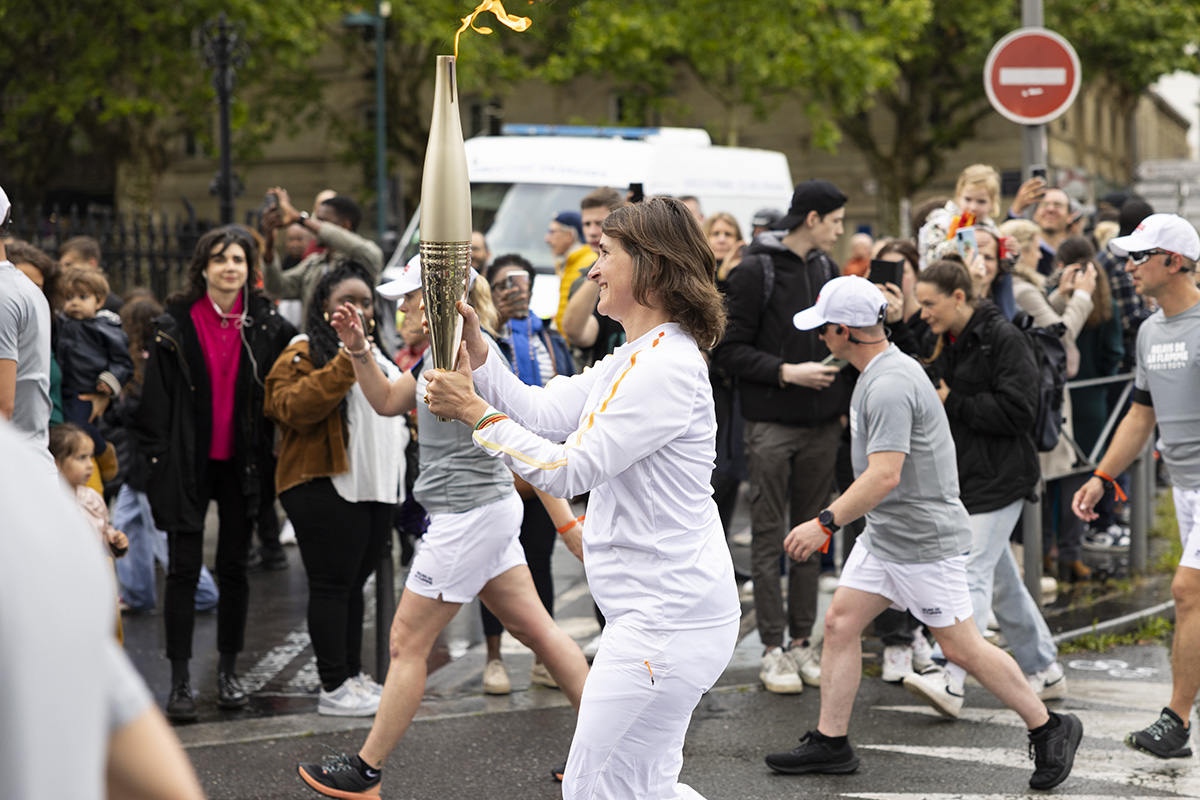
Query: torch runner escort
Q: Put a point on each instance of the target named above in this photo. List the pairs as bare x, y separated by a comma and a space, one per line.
445, 219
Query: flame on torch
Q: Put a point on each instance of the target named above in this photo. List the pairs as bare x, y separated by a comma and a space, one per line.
518, 24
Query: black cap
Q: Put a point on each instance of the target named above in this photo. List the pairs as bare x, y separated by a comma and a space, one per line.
767, 218
819, 196
1132, 213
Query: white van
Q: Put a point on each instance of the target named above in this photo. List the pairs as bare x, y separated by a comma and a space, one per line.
522, 178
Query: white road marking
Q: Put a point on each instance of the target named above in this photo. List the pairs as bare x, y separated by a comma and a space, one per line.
275, 661
1124, 767
1111, 725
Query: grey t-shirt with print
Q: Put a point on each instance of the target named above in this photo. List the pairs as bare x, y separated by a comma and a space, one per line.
896, 409
455, 475
1167, 349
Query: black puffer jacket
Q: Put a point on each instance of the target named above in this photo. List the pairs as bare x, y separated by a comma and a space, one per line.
993, 382
88, 348
761, 336
174, 419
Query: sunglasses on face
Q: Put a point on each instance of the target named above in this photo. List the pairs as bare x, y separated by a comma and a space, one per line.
1142, 256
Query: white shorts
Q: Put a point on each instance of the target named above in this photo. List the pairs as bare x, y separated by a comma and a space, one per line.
934, 592
637, 702
461, 552
1187, 512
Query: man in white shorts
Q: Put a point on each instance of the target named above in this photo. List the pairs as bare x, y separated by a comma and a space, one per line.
912, 554
1161, 257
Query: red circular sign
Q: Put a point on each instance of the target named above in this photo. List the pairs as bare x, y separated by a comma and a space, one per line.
1032, 76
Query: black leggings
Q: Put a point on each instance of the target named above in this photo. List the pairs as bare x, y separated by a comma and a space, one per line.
537, 537
221, 483
340, 544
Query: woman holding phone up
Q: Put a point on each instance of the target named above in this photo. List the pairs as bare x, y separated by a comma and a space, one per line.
639, 433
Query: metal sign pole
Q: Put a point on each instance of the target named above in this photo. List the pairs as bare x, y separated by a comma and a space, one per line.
1033, 142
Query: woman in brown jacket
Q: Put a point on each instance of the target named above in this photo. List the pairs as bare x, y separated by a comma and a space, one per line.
339, 471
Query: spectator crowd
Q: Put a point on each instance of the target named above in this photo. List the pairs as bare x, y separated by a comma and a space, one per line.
286, 372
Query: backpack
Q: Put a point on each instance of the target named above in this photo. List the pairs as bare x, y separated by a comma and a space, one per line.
1050, 354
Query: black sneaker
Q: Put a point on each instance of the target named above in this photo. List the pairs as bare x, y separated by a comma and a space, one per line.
1053, 752
230, 693
814, 754
181, 706
339, 776
558, 771
1165, 738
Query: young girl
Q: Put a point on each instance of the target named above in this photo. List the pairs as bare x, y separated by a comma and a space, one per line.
73, 449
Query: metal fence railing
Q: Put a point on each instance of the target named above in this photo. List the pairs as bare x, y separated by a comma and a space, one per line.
137, 248
1141, 495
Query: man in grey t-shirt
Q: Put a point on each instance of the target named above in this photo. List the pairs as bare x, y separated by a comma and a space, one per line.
912, 555
1161, 256
24, 350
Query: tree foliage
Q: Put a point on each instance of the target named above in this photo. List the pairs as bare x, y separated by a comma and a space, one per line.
750, 57
117, 80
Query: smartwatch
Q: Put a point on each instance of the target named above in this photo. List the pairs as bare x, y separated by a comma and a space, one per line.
825, 520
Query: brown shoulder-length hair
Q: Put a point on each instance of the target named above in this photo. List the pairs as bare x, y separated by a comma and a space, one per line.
1078, 250
947, 276
220, 238
672, 263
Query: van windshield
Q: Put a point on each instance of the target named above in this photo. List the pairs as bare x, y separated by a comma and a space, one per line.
514, 217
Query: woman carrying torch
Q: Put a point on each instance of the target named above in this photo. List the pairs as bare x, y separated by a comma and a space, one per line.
639, 431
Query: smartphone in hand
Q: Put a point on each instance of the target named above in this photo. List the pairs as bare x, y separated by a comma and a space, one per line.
836, 363
883, 271
964, 240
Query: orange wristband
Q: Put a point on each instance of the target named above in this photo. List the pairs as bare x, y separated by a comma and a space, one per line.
829, 533
1112, 481
571, 524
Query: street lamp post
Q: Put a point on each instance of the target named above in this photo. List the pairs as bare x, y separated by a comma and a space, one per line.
224, 50
378, 21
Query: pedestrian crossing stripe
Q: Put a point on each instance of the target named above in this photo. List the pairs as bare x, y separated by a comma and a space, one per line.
1112, 765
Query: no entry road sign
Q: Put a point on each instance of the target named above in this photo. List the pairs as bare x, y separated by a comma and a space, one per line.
1032, 76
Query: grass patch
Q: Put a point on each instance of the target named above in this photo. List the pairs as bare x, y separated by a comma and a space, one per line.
1152, 630
1166, 526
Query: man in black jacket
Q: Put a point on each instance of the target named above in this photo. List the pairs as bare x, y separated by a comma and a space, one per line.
794, 408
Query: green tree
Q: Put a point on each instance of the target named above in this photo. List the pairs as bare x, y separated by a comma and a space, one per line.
906, 130
417, 32
750, 56
118, 80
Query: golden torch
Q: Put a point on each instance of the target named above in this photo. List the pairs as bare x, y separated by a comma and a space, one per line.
445, 219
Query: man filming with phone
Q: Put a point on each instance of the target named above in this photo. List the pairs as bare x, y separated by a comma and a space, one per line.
334, 223
794, 406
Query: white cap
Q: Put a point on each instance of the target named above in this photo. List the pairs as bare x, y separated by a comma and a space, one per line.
4, 206
848, 300
410, 279
1169, 232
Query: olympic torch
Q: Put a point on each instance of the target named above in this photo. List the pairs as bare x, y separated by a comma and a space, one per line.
445, 219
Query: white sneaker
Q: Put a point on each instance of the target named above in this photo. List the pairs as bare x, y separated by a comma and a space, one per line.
778, 673
592, 648
495, 678
368, 684
827, 582
922, 652
741, 538
746, 593
936, 687
540, 676
897, 662
807, 661
1049, 683
348, 700
993, 623
287, 534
